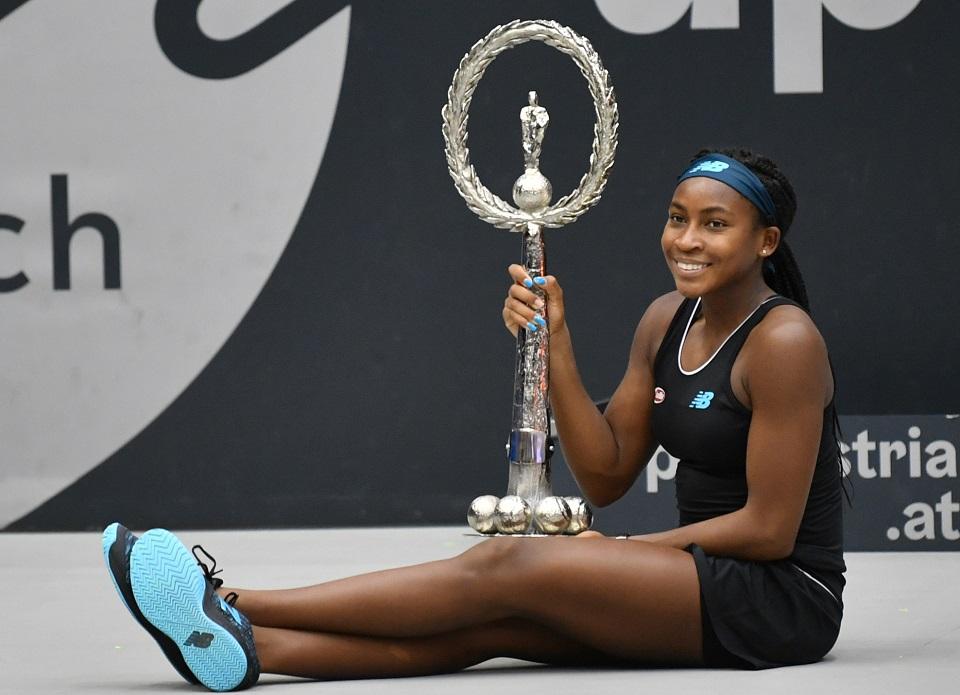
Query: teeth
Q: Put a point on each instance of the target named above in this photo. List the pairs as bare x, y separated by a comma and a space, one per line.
690, 266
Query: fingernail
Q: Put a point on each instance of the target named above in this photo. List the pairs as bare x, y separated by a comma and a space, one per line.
539, 319
540, 281
527, 282
531, 327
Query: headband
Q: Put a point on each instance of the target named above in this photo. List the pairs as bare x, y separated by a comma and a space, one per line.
736, 175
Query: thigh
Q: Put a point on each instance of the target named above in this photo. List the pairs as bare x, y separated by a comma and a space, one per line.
629, 599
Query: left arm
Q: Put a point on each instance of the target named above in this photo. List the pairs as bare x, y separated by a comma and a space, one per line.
787, 378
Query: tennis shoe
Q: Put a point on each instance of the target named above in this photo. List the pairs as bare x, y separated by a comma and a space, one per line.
176, 593
118, 542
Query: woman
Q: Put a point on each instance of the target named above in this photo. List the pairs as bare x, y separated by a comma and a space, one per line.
728, 372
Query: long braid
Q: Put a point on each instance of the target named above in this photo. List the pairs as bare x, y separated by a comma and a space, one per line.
780, 269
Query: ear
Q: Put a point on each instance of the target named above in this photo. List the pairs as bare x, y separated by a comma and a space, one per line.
769, 240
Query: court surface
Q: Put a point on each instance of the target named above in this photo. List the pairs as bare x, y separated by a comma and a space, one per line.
65, 631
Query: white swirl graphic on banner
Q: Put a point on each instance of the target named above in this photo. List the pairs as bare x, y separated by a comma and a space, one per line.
201, 181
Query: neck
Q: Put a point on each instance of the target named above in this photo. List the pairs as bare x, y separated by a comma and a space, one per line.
725, 309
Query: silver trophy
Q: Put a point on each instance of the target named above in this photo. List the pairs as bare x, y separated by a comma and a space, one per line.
529, 506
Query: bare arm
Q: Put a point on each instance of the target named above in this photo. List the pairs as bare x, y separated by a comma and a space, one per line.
605, 452
788, 381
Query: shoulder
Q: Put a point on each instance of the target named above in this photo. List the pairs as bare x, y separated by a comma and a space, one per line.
663, 308
654, 323
786, 352
787, 331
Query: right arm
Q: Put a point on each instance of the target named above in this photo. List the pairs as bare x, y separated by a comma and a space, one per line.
605, 451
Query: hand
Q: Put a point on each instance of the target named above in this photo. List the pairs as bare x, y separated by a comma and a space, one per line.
523, 309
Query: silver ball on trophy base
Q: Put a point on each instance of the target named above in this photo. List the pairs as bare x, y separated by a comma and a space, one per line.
581, 517
513, 515
552, 515
482, 514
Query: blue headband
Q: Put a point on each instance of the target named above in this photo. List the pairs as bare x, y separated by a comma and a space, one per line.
736, 175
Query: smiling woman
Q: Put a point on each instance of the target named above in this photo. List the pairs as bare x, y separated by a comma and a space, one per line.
728, 373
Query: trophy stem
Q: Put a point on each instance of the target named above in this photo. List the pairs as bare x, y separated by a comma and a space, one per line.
529, 462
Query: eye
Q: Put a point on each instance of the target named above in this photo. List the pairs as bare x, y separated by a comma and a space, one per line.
716, 224
676, 218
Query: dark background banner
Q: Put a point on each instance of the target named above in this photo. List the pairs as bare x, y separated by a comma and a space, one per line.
367, 380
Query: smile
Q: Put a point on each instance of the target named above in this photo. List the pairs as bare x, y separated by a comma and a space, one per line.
690, 267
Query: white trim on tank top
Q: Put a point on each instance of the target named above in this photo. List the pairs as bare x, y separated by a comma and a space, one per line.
725, 340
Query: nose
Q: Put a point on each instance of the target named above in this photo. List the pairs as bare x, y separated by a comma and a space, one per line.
688, 238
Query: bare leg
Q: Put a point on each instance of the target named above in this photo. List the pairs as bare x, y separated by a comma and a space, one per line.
335, 656
630, 600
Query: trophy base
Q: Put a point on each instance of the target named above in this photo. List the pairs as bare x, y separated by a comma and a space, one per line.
517, 535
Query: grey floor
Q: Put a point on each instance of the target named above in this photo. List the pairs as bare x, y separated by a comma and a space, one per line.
64, 630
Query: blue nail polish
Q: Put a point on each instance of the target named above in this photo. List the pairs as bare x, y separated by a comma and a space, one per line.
539, 319
540, 281
531, 327
527, 282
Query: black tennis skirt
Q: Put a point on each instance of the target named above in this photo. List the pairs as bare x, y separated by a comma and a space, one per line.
763, 614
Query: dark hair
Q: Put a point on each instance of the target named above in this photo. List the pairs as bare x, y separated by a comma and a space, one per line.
780, 270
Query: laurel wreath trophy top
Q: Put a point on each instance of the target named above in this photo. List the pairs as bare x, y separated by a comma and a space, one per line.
530, 506
489, 207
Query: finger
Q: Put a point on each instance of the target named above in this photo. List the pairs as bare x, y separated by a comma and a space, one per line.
590, 534
515, 322
510, 323
548, 283
519, 274
551, 289
529, 280
522, 294
522, 315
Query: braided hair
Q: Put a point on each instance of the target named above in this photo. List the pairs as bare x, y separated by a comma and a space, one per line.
780, 270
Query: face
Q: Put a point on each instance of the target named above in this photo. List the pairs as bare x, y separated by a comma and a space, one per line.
712, 239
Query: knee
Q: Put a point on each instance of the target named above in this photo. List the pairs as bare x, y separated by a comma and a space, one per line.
492, 558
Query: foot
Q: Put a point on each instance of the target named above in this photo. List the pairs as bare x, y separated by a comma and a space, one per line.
214, 639
118, 541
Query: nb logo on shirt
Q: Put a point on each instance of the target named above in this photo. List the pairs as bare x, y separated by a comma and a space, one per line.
712, 165
702, 400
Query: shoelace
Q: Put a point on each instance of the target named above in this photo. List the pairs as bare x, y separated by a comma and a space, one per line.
210, 573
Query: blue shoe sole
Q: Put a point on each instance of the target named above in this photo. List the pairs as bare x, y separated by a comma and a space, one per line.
118, 563
174, 596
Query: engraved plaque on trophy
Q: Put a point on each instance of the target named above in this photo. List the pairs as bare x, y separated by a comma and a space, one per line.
529, 507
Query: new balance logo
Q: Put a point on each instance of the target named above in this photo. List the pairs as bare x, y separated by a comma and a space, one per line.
702, 400
199, 639
711, 165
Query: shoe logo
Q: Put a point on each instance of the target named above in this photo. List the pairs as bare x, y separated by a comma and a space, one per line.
199, 639
702, 400
659, 395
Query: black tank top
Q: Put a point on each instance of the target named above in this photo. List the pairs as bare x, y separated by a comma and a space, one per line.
698, 419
